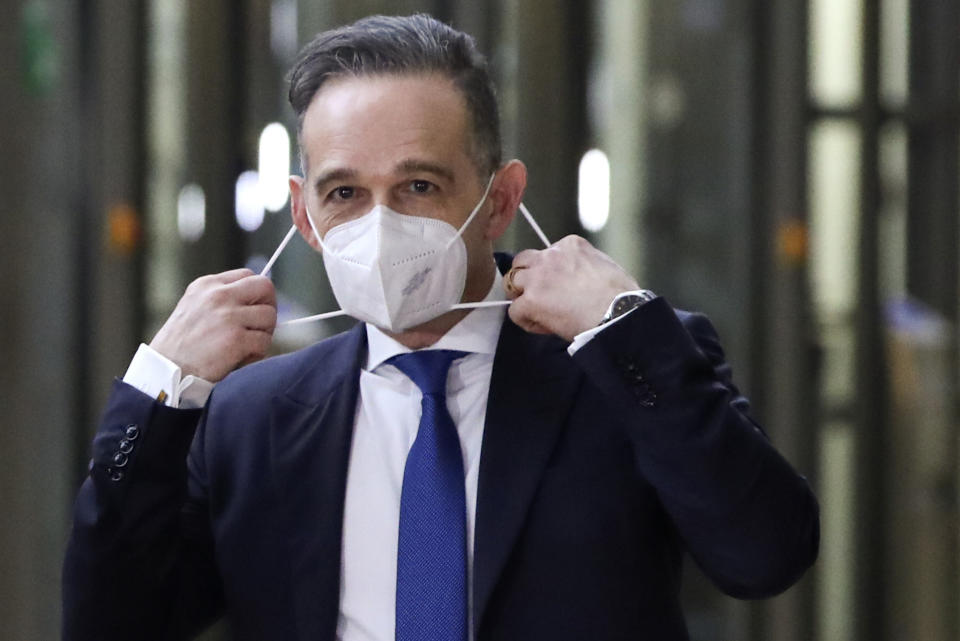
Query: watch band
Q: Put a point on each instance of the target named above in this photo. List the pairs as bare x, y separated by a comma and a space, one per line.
627, 302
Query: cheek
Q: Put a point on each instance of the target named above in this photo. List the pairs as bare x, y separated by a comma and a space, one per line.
474, 236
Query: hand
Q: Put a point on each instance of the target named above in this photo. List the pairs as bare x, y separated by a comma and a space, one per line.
222, 321
564, 289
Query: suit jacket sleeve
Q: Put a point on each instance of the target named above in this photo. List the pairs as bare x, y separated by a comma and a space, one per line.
139, 562
746, 517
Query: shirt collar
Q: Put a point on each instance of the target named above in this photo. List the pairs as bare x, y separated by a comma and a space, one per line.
478, 332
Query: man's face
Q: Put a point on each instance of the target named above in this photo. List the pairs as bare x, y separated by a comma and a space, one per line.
400, 141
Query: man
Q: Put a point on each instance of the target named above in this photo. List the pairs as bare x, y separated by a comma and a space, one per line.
435, 472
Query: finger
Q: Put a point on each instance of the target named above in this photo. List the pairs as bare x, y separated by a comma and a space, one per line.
533, 327
510, 285
519, 313
230, 276
254, 290
257, 317
537, 328
526, 258
519, 280
255, 344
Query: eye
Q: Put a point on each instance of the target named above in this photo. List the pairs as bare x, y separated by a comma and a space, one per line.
343, 193
421, 186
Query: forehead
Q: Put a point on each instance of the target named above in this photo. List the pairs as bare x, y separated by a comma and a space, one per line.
370, 123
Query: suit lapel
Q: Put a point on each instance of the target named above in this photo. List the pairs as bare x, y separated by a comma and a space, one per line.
531, 390
311, 432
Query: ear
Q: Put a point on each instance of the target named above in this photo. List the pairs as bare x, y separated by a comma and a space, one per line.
298, 211
506, 194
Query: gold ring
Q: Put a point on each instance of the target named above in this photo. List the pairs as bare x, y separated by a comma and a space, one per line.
509, 284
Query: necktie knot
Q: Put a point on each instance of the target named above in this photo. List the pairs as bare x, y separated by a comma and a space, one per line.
427, 368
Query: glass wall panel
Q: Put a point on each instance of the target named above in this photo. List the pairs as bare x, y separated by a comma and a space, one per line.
836, 45
834, 206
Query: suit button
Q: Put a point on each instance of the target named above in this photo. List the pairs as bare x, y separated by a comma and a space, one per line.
126, 446
115, 475
647, 398
132, 432
120, 459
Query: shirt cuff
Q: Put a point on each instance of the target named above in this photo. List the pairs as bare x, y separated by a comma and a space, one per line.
194, 392
585, 337
160, 378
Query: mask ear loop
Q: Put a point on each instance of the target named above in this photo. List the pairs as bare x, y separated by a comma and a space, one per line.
523, 210
276, 254
473, 213
534, 225
498, 303
273, 259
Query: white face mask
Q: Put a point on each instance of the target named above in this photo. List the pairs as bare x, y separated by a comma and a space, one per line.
395, 270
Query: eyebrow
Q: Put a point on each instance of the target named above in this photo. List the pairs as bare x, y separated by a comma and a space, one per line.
408, 166
341, 173
412, 165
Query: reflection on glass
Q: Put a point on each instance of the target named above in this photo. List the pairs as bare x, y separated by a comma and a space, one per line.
593, 193
274, 165
248, 201
191, 212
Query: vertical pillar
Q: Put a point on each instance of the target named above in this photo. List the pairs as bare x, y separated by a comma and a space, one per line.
40, 179
112, 138
786, 394
621, 78
932, 224
543, 53
871, 405
215, 109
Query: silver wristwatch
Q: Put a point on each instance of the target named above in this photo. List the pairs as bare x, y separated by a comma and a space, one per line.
626, 302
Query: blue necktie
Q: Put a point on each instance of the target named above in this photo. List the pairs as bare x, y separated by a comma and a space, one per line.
431, 556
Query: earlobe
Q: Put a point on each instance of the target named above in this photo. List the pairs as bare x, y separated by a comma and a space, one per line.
298, 211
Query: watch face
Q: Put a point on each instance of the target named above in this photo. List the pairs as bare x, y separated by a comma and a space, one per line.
625, 303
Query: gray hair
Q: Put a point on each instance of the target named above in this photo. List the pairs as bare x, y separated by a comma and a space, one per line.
400, 45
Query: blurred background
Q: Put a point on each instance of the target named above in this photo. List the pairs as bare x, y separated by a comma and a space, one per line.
790, 167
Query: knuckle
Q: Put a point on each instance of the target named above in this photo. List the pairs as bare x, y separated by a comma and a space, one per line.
525, 256
218, 295
574, 241
264, 287
197, 284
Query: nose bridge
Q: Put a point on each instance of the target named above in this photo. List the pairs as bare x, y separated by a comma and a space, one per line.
383, 193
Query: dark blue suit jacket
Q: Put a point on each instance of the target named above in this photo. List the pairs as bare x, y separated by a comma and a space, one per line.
598, 473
